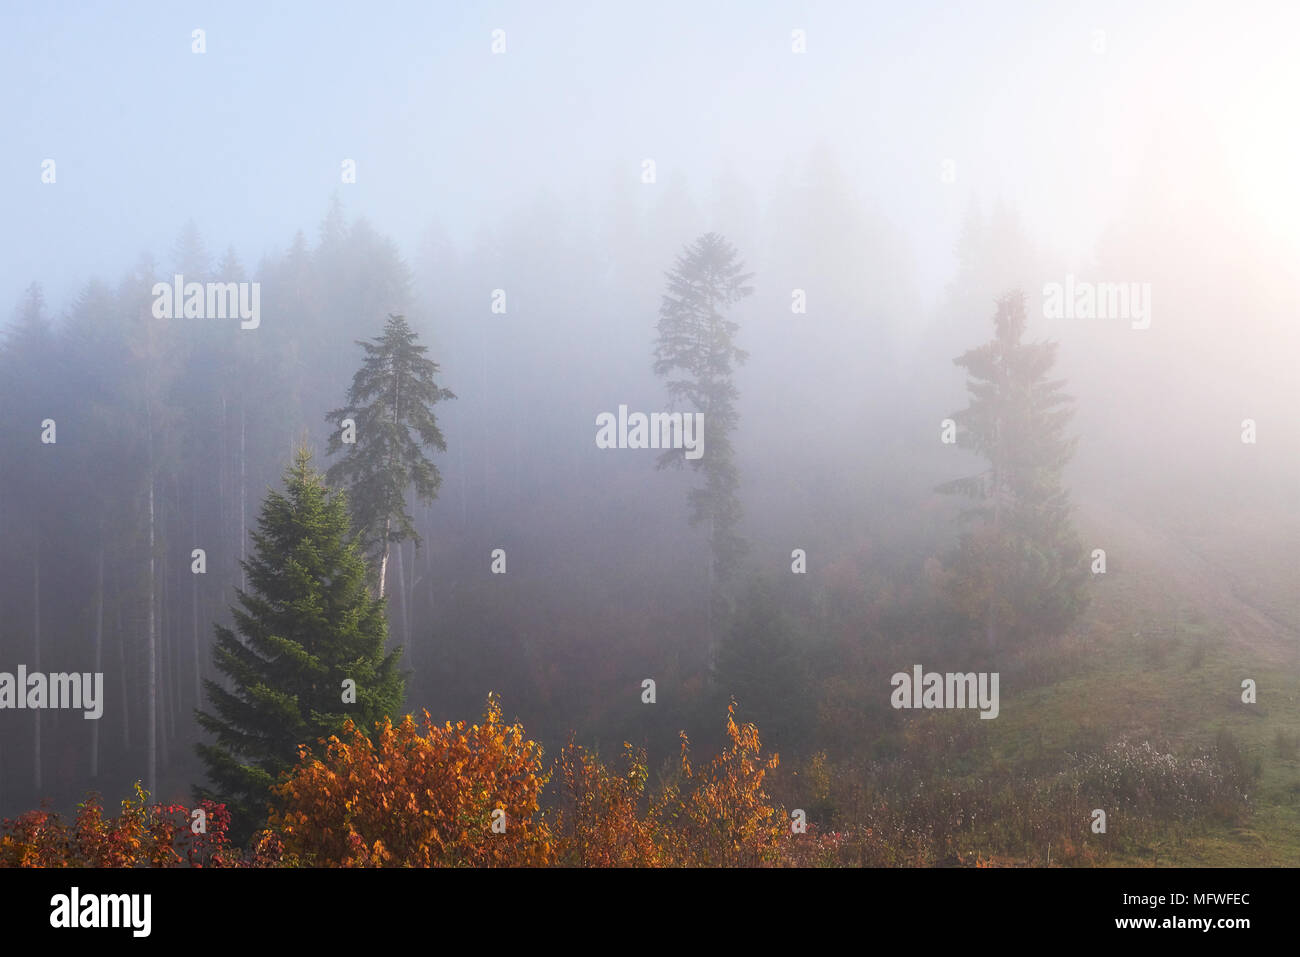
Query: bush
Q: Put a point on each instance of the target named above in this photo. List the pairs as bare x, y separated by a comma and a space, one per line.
143, 835
417, 795
1140, 779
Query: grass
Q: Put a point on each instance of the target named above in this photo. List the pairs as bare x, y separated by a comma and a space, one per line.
1178, 686
1159, 657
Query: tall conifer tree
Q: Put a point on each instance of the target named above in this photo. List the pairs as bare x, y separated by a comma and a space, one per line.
306, 626
1020, 570
391, 404
696, 352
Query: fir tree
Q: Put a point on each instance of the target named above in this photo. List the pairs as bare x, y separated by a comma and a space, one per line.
306, 625
1021, 569
391, 403
696, 351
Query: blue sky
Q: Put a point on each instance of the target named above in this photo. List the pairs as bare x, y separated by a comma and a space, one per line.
247, 138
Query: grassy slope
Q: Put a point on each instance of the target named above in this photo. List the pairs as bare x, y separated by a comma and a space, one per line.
1175, 626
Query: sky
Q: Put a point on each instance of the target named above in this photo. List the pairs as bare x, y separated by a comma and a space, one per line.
1050, 107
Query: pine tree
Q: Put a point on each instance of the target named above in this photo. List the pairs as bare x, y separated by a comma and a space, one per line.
1021, 570
391, 403
306, 625
696, 351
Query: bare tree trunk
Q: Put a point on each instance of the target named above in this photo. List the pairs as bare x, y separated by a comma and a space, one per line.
409, 577
243, 498
121, 673
152, 696
221, 473
383, 561
194, 598
165, 684
515, 421
99, 650
990, 625
36, 653
401, 600
712, 650
464, 507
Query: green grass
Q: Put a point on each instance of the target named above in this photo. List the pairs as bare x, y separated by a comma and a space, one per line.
1177, 686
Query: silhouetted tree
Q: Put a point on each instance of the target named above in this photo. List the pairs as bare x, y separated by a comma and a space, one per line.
1021, 569
696, 351
391, 402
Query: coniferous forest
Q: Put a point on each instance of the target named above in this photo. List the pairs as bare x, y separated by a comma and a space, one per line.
580, 437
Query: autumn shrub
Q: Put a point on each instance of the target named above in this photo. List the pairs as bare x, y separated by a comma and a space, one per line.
718, 814
416, 795
142, 835
605, 819
721, 812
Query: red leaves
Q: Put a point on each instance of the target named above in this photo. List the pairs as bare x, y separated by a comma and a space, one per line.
143, 835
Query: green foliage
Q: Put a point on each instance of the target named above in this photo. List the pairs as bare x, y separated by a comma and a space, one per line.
306, 623
1021, 570
391, 401
696, 351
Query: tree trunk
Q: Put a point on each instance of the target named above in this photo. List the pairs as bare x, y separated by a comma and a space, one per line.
121, 673
243, 499
383, 561
221, 475
402, 593
712, 649
990, 626
464, 507
99, 650
152, 694
36, 663
166, 686
194, 598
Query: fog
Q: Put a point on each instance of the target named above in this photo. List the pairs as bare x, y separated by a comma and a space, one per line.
517, 180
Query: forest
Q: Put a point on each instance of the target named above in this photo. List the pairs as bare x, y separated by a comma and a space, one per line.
733, 512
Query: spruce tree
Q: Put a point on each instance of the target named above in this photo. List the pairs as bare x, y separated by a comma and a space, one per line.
391, 403
696, 351
306, 625
1021, 569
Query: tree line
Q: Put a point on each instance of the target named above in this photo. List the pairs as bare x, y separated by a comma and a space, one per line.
173, 429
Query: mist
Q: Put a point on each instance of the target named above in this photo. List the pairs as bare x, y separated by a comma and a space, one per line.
520, 182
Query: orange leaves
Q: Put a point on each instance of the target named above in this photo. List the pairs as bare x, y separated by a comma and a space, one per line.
601, 824
420, 795
143, 835
718, 815
425, 795
727, 818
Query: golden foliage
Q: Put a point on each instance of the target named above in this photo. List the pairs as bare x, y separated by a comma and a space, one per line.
418, 795
143, 835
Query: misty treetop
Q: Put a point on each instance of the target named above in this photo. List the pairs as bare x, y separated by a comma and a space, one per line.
390, 409
1022, 569
696, 351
